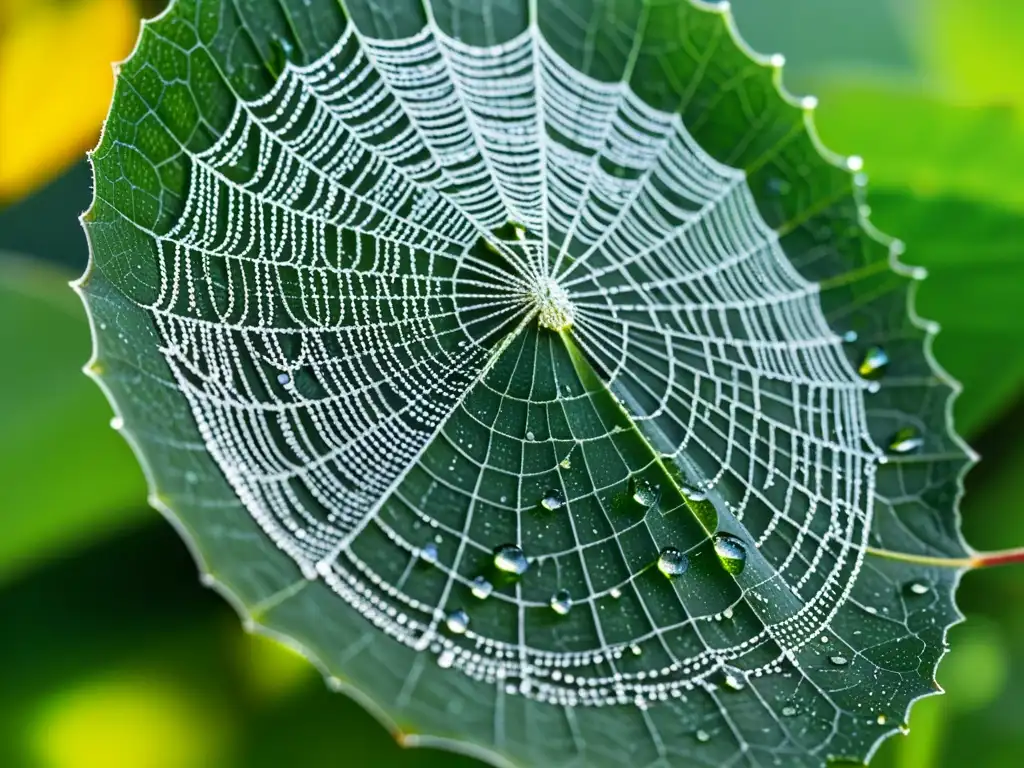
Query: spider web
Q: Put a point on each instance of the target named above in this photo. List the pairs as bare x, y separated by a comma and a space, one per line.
355, 299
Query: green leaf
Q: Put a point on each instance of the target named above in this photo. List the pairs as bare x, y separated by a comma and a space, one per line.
946, 178
494, 356
66, 478
973, 256
924, 142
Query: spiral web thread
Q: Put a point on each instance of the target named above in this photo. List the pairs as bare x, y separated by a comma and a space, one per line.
333, 231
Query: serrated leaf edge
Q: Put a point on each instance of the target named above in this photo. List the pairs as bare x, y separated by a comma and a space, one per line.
852, 163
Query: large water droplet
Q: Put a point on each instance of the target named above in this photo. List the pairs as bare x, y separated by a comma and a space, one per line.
672, 562
839, 661
429, 552
284, 379
457, 621
561, 602
732, 678
553, 500
481, 588
731, 552
918, 588
906, 440
510, 559
874, 363
644, 492
881, 719
702, 736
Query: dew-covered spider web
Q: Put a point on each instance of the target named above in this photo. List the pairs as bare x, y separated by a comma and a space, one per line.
489, 345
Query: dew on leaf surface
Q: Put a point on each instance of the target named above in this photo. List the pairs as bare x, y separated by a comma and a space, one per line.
457, 621
672, 562
874, 363
481, 588
553, 500
509, 558
644, 492
561, 602
731, 551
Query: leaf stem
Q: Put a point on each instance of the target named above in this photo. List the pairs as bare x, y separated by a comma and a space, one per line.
977, 560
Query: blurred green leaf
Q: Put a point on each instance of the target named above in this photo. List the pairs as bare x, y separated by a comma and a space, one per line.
947, 180
973, 252
974, 49
67, 477
924, 144
838, 35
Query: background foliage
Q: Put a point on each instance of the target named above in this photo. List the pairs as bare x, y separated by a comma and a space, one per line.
116, 656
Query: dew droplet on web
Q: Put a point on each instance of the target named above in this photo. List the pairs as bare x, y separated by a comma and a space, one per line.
428, 553
457, 621
553, 500
874, 363
839, 661
644, 492
509, 558
672, 562
561, 602
905, 441
481, 588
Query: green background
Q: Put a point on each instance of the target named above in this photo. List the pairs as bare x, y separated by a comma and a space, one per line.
114, 654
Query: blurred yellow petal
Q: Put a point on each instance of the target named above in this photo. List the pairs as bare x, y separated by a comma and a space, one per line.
128, 722
55, 84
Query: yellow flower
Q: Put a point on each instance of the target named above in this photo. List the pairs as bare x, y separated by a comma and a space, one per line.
55, 83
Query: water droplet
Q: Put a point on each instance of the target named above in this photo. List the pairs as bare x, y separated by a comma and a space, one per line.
672, 562
565, 463
733, 679
561, 602
529, 435
788, 711
693, 493
429, 552
850, 336
553, 500
881, 720
874, 363
117, 423
481, 588
446, 659
906, 440
284, 379
918, 588
510, 559
635, 649
615, 592
457, 621
702, 736
644, 492
839, 661
731, 552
